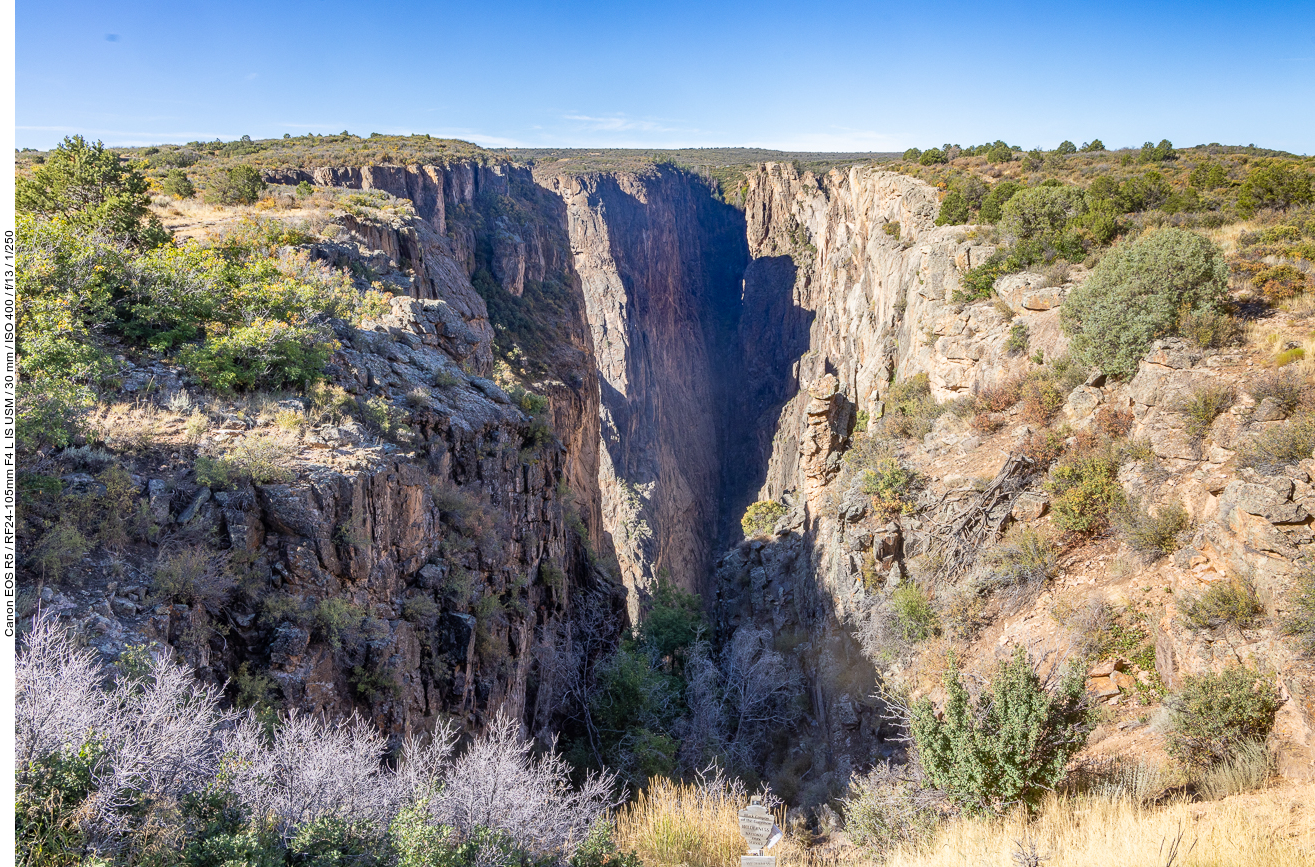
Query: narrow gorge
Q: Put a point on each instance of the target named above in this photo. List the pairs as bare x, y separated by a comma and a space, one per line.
580, 384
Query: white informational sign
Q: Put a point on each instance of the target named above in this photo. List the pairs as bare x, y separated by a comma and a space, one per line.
756, 825
757, 861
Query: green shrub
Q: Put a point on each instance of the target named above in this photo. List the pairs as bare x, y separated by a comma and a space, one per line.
892, 229
264, 355
420, 609
1066, 147
89, 187
978, 283
1000, 153
490, 614
1157, 153
214, 473
1233, 601
995, 199
931, 157
1017, 342
176, 184
1276, 185
889, 483
910, 408
1208, 175
912, 154
760, 517
954, 210
1210, 329
337, 621
1137, 293
49, 794
1214, 715
240, 185
50, 412
1085, 488
674, 621
1010, 746
1041, 213
599, 850
333, 842
1154, 534
304, 189
383, 418
60, 547
914, 617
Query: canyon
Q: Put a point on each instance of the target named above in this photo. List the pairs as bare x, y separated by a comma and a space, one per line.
696, 358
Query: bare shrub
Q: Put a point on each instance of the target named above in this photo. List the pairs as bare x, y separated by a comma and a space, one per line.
1280, 446
884, 810
498, 783
313, 769
263, 459
1019, 566
193, 576
998, 398
155, 732
161, 743
1041, 399
1287, 388
1204, 405
1120, 778
758, 686
1113, 423
58, 700
1233, 601
1210, 329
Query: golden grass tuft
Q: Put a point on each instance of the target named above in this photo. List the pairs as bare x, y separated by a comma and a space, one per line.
672, 823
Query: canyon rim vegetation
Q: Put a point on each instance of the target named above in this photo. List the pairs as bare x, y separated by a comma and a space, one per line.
392, 500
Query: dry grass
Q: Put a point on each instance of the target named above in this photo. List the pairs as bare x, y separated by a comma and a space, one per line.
1227, 236
1274, 829
679, 823
128, 427
673, 823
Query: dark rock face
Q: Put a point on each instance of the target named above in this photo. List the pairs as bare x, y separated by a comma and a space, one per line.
659, 263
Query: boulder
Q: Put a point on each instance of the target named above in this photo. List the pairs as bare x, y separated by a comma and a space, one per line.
1081, 403
1030, 506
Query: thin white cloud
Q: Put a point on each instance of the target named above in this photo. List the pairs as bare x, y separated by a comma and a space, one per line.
131, 137
839, 139
622, 123
480, 138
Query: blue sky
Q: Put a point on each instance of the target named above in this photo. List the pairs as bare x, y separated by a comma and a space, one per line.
796, 76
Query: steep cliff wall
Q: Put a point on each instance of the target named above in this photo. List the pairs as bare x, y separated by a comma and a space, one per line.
658, 261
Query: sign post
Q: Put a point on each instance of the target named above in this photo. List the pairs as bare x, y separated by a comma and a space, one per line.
760, 832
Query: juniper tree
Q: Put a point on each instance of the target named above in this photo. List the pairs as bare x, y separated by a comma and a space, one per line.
1008, 746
